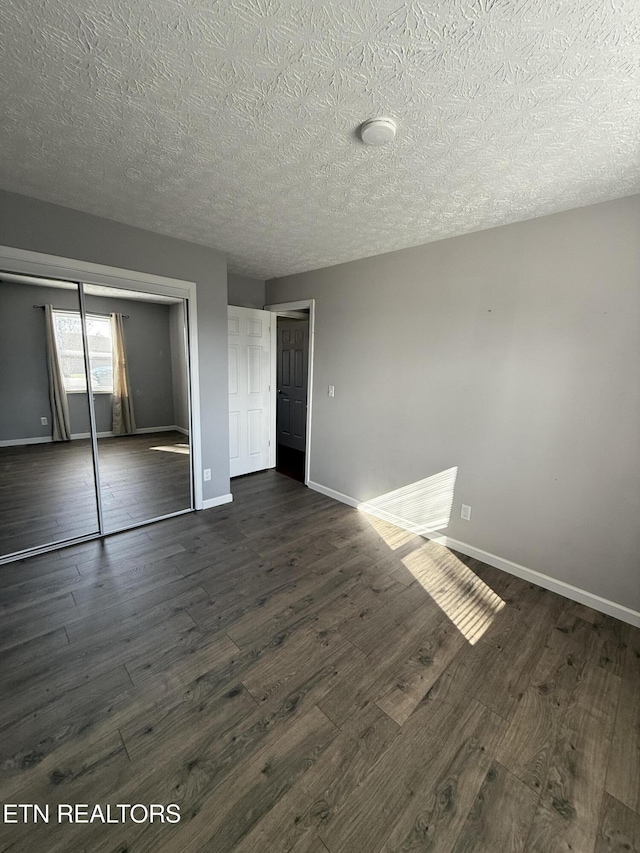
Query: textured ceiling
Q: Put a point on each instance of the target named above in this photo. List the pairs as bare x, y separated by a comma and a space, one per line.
232, 122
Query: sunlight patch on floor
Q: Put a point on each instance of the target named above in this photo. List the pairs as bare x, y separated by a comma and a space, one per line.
466, 599
421, 507
173, 448
395, 537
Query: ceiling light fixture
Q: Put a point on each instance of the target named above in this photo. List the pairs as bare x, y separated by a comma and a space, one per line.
378, 131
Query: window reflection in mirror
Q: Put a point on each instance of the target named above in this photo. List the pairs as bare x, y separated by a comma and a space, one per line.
68, 330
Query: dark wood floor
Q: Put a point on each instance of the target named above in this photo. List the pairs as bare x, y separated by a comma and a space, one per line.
47, 491
300, 677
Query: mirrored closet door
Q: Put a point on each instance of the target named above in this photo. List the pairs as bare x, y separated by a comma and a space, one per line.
140, 383
47, 480
94, 411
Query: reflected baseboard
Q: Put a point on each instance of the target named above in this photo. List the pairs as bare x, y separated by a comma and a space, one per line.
142, 431
18, 442
171, 428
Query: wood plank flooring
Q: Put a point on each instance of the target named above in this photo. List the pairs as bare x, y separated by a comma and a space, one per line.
47, 491
301, 678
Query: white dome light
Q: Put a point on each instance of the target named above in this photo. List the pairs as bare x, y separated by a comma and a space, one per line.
378, 131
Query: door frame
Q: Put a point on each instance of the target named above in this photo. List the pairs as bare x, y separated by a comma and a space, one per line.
53, 266
284, 309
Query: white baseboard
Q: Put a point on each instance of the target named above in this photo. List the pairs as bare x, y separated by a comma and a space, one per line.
575, 593
78, 435
582, 596
160, 429
18, 442
331, 493
211, 502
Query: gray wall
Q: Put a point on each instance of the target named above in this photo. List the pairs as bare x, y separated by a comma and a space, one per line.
24, 386
179, 374
512, 354
27, 223
245, 292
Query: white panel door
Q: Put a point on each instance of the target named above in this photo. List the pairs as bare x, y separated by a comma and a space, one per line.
249, 392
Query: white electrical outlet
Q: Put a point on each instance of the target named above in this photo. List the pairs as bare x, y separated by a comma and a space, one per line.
332, 390
207, 473
465, 512
44, 421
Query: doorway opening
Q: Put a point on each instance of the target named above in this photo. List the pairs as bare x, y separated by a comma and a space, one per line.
292, 336
292, 362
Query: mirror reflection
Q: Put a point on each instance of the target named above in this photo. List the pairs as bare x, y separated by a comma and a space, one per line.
139, 381
47, 485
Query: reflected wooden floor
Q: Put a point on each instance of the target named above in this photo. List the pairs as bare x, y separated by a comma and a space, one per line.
143, 476
278, 668
47, 492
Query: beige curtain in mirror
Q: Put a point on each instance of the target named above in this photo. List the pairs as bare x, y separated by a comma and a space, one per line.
60, 421
124, 421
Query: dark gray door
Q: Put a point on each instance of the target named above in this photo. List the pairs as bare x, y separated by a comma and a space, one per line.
293, 359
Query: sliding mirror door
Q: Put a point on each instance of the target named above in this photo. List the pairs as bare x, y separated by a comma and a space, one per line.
47, 485
140, 384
